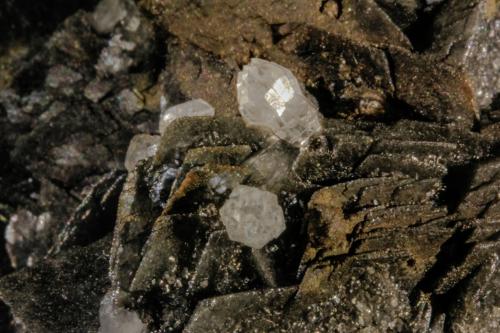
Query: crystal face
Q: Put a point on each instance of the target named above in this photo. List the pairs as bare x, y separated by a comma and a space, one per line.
194, 108
269, 95
140, 147
252, 216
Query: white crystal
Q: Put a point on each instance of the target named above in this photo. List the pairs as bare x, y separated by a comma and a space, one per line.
113, 319
107, 14
140, 147
130, 102
194, 108
252, 216
270, 95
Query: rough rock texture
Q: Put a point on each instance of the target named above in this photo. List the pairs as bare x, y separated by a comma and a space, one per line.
391, 210
44, 299
468, 35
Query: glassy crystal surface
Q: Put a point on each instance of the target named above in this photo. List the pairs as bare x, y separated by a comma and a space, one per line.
252, 216
114, 319
194, 108
141, 146
269, 95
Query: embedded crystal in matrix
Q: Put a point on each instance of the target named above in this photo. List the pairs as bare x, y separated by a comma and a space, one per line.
141, 147
270, 95
252, 216
194, 108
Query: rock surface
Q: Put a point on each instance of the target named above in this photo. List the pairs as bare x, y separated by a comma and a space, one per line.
391, 208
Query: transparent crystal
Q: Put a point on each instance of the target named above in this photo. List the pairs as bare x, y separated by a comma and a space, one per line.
140, 147
269, 95
194, 108
252, 216
114, 319
272, 166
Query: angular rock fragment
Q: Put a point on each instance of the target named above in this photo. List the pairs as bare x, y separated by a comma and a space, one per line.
252, 216
194, 108
256, 310
269, 95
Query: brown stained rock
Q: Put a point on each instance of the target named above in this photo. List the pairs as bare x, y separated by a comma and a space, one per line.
199, 178
435, 91
330, 233
241, 29
196, 73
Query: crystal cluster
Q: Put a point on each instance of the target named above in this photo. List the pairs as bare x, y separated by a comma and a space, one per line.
194, 108
269, 95
252, 216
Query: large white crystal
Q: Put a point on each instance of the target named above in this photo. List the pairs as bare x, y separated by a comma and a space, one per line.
252, 216
141, 147
270, 95
114, 319
194, 108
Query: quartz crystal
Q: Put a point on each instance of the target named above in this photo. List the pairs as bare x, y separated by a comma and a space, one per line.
252, 216
141, 146
269, 95
194, 108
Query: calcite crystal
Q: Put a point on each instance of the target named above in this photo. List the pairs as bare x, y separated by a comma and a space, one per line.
194, 108
252, 216
270, 95
114, 319
141, 146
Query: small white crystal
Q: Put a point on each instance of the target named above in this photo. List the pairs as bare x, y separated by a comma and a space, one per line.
61, 76
130, 102
269, 95
107, 14
113, 319
194, 108
141, 146
252, 216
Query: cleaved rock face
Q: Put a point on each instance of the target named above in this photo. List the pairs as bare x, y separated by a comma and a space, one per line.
270, 95
252, 216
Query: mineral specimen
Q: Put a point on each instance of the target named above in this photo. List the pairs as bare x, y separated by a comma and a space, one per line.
114, 319
141, 146
389, 194
252, 216
270, 95
194, 108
